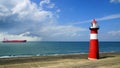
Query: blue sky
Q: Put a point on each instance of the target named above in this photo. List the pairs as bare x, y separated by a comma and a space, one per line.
59, 20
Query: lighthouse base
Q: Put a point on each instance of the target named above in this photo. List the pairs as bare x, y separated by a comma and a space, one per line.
92, 59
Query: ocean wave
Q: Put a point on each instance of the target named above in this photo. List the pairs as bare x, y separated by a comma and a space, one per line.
50, 54
13, 56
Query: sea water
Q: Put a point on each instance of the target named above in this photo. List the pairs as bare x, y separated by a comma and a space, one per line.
52, 48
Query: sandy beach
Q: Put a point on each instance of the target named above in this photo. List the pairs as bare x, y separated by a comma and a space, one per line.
107, 60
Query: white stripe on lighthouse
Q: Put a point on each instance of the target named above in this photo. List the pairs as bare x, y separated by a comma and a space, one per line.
93, 36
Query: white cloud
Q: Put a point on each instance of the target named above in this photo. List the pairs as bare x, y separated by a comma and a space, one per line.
114, 33
35, 22
108, 17
67, 31
3, 11
46, 4
24, 34
110, 36
51, 6
19, 37
114, 1
23, 10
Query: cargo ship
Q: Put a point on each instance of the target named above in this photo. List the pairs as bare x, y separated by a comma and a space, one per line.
5, 40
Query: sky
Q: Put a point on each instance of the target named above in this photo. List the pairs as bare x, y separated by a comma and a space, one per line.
59, 20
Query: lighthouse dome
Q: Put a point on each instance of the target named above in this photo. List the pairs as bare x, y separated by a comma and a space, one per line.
94, 24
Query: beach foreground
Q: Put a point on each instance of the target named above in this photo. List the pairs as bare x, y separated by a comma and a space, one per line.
107, 60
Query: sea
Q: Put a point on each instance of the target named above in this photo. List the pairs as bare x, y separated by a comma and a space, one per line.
37, 48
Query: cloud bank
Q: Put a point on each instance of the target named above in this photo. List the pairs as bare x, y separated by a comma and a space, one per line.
39, 21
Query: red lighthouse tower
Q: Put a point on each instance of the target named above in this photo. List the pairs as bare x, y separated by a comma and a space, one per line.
94, 48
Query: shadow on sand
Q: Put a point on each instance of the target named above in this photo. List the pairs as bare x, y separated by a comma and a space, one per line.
104, 57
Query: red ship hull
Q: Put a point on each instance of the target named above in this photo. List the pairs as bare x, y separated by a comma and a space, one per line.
14, 41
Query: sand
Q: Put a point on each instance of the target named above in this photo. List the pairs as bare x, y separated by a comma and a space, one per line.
107, 60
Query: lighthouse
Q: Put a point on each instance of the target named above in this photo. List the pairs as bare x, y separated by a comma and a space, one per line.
94, 44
